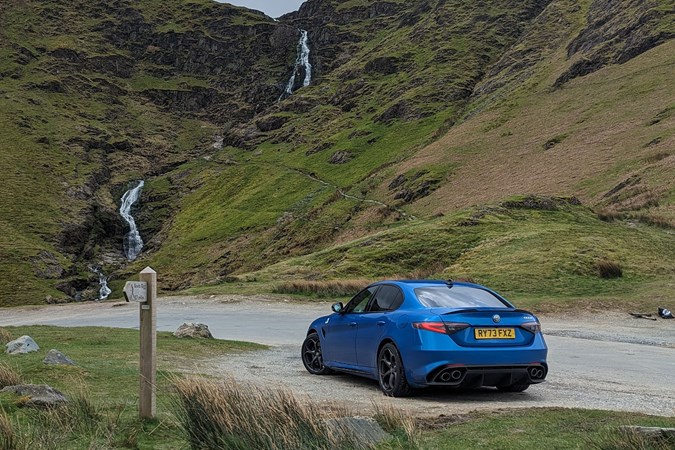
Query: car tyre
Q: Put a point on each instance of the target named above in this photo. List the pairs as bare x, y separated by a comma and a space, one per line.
514, 387
312, 358
391, 373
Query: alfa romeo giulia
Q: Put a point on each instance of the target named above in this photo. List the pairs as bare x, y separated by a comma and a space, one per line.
417, 333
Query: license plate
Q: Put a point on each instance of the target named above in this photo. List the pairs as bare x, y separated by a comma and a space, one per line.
494, 333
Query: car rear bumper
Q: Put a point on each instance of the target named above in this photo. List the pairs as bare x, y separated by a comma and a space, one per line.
477, 376
476, 367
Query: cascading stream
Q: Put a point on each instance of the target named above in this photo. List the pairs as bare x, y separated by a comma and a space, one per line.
301, 63
104, 291
133, 244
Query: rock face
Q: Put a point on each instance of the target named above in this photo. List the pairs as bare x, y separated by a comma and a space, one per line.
24, 344
38, 395
193, 330
55, 357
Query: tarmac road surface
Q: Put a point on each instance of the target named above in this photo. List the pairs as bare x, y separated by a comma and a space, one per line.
609, 361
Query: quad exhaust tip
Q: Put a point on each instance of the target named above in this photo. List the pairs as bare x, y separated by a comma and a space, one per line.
450, 376
537, 373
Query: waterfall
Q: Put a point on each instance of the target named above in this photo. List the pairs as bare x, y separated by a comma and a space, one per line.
104, 290
133, 244
301, 62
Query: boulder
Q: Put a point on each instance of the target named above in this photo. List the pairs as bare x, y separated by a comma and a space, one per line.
37, 395
25, 344
55, 357
193, 330
364, 430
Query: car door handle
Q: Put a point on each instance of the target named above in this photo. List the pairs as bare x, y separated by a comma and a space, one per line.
380, 323
352, 324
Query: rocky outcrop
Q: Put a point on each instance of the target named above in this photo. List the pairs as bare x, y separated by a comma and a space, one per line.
56, 358
364, 430
193, 330
37, 395
22, 345
616, 32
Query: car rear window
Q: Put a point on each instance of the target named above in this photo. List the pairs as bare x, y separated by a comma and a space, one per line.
457, 297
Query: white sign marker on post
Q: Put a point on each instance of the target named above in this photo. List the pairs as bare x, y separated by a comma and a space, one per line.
136, 291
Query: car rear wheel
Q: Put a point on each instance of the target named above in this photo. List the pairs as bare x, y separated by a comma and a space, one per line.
514, 387
391, 373
312, 357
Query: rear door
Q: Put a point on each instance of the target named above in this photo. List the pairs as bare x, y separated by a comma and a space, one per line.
372, 325
340, 332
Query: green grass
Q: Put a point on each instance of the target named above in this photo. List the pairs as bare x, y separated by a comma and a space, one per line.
554, 428
103, 389
210, 215
535, 257
107, 375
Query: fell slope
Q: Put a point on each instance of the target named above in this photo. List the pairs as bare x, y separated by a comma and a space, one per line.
416, 110
95, 96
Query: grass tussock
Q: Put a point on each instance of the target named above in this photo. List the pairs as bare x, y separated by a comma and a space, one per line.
631, 440
648, 218
227, 415
9, 376
7, 436
329, 288
400, 424
608, 269
77, 424
5, 336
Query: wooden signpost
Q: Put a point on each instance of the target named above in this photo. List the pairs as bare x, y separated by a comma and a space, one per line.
145, 293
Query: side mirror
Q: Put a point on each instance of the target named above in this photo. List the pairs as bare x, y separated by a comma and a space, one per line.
337, 307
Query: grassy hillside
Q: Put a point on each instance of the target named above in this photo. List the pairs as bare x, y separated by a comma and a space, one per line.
536, 250
418, 112
97, 96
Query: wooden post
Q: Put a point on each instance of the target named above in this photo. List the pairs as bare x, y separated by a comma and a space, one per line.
148, 345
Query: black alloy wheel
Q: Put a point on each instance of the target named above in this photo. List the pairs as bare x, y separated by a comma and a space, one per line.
391, 373
311, 356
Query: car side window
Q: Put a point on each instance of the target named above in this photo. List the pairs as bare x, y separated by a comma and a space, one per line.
387, 298
360, 301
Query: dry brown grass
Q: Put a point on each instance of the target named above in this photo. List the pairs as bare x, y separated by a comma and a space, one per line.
631, 440
5, 336
392, 419
7, 435
9, 376
329, 288
228, 415
608, 269
498, 153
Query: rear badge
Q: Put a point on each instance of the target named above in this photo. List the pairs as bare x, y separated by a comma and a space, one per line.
496, 318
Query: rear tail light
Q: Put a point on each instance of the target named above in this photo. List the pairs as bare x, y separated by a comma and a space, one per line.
532, 327
441, 327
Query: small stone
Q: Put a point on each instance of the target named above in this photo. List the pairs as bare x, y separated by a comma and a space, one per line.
37, 395
193, 330
25, 344
55, 357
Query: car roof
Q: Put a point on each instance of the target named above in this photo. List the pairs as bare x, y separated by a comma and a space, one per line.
410, 285
424, 283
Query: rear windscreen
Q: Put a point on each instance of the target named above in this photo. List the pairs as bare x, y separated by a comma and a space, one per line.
457, 297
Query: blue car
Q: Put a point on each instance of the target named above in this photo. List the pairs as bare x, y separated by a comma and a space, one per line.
417, 333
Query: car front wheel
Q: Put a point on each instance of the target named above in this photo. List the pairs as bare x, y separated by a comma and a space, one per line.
312, 357
391, 372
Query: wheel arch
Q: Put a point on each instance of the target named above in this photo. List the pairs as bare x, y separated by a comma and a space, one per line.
384, 342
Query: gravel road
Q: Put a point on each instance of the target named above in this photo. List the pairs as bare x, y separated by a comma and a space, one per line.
609, 361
